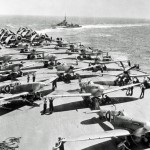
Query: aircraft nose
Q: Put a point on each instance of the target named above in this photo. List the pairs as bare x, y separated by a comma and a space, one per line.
42, 85
100, 88
147, 126
10, 56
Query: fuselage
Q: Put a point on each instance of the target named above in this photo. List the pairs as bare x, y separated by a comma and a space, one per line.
50, 57
5, 58
19, 88
89, 87
13, 67
121, 121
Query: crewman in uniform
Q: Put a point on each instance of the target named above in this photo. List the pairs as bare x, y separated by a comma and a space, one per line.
51, 107
54, 84
142, 91
28, 78
44, 106
33, 77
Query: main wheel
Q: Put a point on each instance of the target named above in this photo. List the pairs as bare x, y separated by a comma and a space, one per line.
95, 102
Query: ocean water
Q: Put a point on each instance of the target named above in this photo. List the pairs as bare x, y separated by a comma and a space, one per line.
122, 37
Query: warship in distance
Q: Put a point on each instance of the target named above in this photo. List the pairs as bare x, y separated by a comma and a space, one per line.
65, 24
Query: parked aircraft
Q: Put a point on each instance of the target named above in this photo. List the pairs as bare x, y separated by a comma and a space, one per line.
28, 91
123, 78
94, 92
12, 41
133, 130
5, 58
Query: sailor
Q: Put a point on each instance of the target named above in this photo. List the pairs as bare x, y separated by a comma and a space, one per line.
129, 91
89, 64
142, 91
51, 107
56, 147
61, 147
54, 84
33, 77
44, 106
51, 38
28, 78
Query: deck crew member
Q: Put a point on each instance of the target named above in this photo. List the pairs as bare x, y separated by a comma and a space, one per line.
44, 106
28, 78
54, 84
142, 90
51, 107
33, 77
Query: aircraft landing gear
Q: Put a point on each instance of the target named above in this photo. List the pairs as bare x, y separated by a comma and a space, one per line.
32, 97
95, 103
146, 140
124, 144
30, 56
88, 102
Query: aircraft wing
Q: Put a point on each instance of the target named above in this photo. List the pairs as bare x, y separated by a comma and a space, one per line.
56, 59
120, 88
5, 71
100, 135
11, 97
69, 95
85, 68
105, 62
67, 57
50, 80
90, 67
131, 75
140, 75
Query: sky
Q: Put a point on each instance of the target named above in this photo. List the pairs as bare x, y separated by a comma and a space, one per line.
81, 8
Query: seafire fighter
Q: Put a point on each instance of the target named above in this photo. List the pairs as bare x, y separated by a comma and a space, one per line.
28, 91
12, 41
123, 78
5, 58
131, 130
93, 93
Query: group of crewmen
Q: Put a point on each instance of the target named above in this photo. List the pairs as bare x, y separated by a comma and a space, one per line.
33, 77
51, 107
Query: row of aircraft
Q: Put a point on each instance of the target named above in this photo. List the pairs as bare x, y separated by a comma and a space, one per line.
92, 92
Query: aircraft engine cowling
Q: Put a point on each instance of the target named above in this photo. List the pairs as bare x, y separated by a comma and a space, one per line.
143, 130
7, 89
97, 91
33, 33
18, 37
43, 37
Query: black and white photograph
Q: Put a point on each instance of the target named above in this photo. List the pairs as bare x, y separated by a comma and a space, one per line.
74, 74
